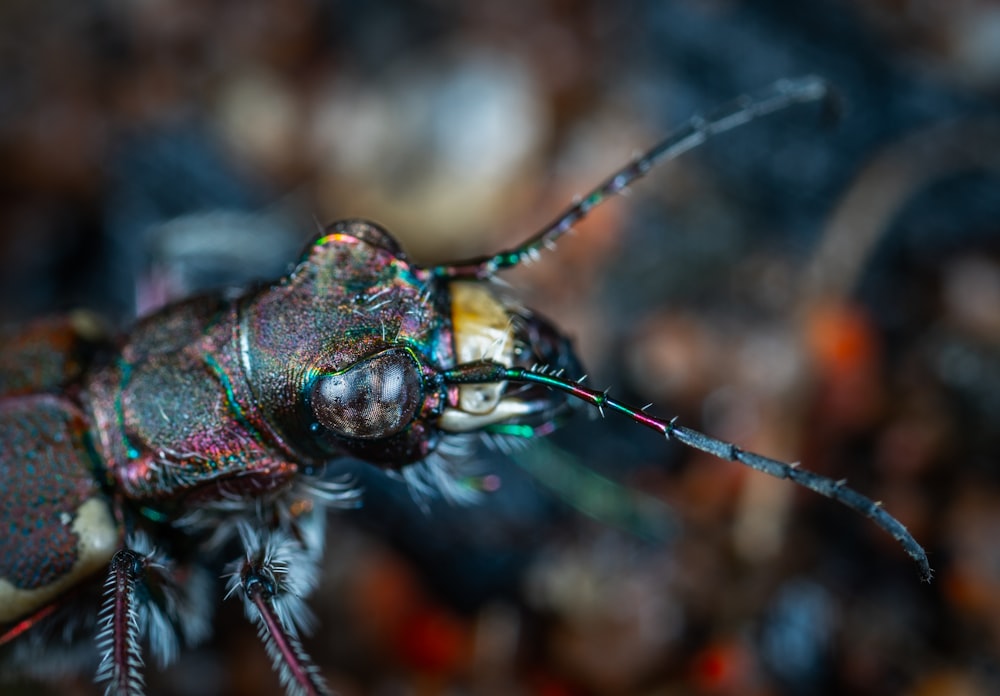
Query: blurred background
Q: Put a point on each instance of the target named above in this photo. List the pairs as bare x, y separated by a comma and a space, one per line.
815, 289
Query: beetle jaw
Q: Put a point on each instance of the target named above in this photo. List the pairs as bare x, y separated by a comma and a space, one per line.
485, 328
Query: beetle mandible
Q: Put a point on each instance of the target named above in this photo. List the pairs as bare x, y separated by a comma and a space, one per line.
211, 421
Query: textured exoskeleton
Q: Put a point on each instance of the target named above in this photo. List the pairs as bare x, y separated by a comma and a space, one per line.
131, 464
214, 417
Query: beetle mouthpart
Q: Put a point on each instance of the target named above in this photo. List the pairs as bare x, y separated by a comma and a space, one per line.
482, 331
485, 329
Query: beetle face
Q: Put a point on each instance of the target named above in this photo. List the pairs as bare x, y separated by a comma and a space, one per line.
346, 355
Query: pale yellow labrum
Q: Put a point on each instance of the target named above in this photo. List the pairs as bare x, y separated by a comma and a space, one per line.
482, 331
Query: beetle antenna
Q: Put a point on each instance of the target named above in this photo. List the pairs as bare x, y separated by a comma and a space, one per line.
779, 96
487, 372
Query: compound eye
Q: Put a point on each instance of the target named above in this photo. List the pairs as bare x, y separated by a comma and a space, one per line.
371, 234
374, 398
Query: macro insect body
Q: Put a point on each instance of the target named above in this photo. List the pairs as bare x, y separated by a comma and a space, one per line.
130, 465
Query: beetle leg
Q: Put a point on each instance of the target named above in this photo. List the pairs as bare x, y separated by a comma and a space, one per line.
273, 580
145, 594
118, 636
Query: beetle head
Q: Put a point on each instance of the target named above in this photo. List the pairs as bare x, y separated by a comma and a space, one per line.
347, 355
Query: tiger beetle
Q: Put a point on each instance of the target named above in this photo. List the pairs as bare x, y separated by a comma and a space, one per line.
210, 425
